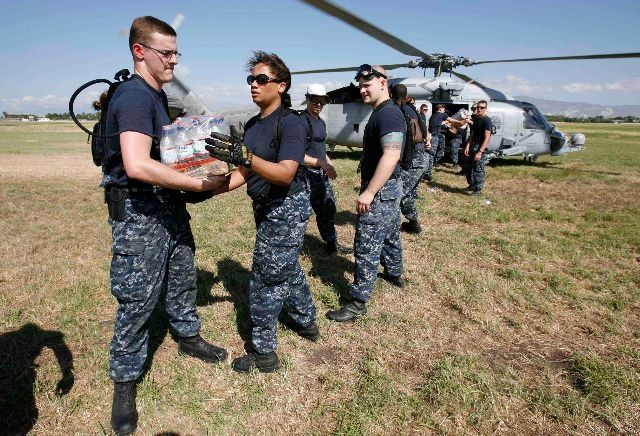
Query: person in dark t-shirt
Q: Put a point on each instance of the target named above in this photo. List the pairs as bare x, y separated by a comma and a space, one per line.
437, 138
476, 148
271, 156
377, 239
318, 168
410, 177
153, 248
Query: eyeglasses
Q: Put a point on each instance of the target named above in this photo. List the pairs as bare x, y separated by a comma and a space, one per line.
262, 79
167, 54
317, 99
367, 72
481, 107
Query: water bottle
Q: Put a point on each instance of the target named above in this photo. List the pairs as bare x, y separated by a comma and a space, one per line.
201, 132
183, 144
168, 153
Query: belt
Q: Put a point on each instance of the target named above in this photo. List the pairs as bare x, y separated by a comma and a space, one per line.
151, 191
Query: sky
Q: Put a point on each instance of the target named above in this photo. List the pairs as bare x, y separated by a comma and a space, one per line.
51, 48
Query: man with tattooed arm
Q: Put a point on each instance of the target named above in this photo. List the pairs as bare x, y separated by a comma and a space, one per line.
377, 237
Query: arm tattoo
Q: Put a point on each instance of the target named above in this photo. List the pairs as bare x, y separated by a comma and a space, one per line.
392, 141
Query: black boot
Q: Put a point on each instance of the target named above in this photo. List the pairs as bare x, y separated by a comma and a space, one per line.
411, 226
198, 347
261, 362
310, 332
124, 416
394, 280
349, 312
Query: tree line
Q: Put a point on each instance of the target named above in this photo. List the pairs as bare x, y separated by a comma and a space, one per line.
56, 116
596, 119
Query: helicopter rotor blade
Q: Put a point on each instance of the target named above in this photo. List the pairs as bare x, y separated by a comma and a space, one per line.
467, 79
366, 27
564, 58
337, 70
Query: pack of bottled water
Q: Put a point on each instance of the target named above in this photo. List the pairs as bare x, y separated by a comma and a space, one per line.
182, 145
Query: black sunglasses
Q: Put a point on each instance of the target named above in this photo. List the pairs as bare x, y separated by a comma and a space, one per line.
262, 79
317, 99
481, 107
367, 72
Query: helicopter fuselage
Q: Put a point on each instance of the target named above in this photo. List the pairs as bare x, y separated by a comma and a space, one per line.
519, 128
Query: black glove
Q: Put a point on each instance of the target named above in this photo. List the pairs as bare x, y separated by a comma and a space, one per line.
229, 148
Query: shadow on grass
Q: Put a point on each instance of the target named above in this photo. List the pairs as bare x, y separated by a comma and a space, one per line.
502, 162
345, 217
343, 152
206, 280
330, 268
18, 411
446, 188
235, 279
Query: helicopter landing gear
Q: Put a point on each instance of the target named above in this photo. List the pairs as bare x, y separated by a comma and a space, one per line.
530, 158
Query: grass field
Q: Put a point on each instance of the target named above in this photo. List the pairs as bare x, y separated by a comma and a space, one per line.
520, 315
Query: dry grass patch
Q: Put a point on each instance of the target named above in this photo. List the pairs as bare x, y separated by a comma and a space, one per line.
520, 316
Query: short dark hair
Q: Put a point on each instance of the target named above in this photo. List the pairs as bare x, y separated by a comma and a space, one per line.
398, 91
440, 106
423, 105
143, 27
276, 65
482, 101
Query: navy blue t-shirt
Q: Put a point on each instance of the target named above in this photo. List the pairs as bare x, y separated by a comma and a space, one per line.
480, 125
384, 119
316, 148
436, 121
134, 107
259, 136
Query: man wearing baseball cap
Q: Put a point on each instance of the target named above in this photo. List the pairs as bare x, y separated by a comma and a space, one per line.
318, 168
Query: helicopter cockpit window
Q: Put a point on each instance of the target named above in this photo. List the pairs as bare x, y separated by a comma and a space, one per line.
533, 119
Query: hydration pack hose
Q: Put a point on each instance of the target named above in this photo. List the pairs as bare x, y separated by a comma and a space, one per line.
121, 76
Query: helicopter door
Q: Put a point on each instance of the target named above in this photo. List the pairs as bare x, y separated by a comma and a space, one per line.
346, 122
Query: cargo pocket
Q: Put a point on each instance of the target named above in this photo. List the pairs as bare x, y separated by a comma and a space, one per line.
128, 271
278, 243
390, 191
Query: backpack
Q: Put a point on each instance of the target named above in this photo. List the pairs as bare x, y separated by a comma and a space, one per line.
304, 114
98, 136
409, 140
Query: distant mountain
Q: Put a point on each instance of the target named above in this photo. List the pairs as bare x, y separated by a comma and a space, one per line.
577, 109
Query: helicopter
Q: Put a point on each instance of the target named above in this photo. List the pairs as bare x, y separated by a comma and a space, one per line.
519, 128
